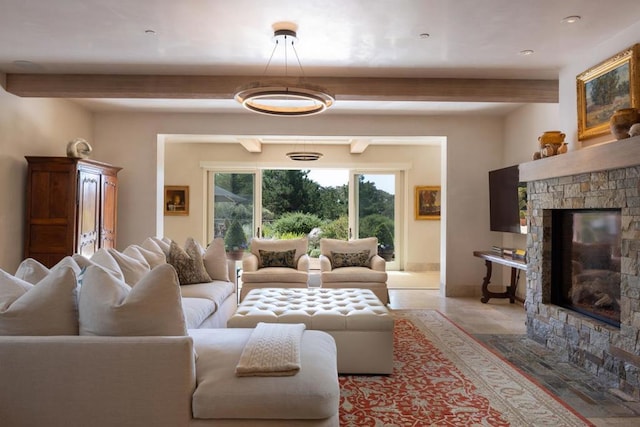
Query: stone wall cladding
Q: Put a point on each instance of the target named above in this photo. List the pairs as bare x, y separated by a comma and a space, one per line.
611, 354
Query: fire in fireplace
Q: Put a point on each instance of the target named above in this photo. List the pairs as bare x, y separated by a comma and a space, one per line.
585, 262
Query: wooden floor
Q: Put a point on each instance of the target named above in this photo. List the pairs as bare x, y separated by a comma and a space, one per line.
500, 321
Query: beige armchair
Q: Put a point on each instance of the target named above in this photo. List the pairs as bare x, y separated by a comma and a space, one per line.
275, 264
353, 264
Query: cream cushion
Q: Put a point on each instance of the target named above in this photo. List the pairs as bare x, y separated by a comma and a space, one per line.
109, 307
215, 260
153, 258
46, 308
151, 244
164, 243
32, 271
102, 258
132, 269
300, 245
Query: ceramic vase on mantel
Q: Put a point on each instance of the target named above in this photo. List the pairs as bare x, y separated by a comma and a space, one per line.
550, 143
622, 120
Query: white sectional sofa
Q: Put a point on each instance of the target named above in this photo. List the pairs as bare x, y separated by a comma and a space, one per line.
81, 347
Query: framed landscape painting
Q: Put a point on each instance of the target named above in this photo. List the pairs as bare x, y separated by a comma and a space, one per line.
606, 88
427, 202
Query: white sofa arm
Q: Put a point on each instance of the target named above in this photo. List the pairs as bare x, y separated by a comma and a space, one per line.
98, 381
303, 263
233, 274
250, 262
325, 263
378, 263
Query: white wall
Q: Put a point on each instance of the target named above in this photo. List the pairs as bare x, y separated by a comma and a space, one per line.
130, 141
522, 128
29, 127
182, 167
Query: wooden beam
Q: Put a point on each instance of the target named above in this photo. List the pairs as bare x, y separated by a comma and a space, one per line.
225, 87
358, 146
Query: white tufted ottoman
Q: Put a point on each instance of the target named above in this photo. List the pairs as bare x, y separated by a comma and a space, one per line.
360, 324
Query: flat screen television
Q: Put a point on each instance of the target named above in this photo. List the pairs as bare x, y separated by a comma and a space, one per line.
507, 200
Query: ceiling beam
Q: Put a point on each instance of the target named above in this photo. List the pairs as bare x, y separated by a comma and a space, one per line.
225, 87
252, 145
358, 146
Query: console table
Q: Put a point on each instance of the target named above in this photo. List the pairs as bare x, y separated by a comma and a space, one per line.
516, 267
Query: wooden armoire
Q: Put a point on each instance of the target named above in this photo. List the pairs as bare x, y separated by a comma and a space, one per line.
71, 207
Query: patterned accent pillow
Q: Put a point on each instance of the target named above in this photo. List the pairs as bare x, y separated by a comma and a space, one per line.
350, 259
277, 259
188, 262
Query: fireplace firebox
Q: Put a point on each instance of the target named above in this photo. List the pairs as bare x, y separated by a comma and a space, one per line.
585, 262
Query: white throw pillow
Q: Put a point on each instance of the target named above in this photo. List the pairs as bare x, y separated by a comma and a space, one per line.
153, 258
109, 307
104, 259
32, 271
132, 269
215, 260
150, 244
47, 308
163, 243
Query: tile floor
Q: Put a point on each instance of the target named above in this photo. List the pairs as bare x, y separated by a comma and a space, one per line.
500, 325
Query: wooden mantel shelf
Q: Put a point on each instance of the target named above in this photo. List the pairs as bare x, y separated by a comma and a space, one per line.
614, 155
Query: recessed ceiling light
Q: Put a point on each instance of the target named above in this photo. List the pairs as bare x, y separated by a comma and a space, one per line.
525, 52
571, 19
27, 65
425, 35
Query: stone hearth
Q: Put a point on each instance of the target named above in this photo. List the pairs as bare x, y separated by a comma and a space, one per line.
606, 176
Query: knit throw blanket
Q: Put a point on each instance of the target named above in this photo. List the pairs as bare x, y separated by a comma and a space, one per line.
273, 349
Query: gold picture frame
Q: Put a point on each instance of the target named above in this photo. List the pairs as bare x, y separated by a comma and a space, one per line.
176, 200
609, 86
427, 201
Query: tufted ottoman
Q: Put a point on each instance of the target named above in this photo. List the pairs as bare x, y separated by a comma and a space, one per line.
360, 324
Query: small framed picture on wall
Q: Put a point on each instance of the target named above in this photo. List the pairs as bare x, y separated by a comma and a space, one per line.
176, 200
427, 202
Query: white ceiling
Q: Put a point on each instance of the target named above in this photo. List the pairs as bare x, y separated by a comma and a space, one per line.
337, 38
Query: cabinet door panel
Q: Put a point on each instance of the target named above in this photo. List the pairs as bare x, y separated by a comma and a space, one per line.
88, 208
108, 211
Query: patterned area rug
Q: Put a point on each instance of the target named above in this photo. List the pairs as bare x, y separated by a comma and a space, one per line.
443, 377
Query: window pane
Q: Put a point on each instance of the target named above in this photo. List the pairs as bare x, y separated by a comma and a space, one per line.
376, 208
233, 208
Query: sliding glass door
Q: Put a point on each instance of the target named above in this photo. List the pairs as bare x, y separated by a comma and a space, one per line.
232, 205
285, 203
375, 206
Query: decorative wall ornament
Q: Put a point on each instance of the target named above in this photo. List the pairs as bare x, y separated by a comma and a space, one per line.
78, 148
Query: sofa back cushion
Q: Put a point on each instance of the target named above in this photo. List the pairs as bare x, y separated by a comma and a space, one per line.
32, 271
215, 260
153, 257
47, 308
133, 269
104, 259
109, 307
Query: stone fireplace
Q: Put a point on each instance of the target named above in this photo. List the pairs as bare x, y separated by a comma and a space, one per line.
604, 178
